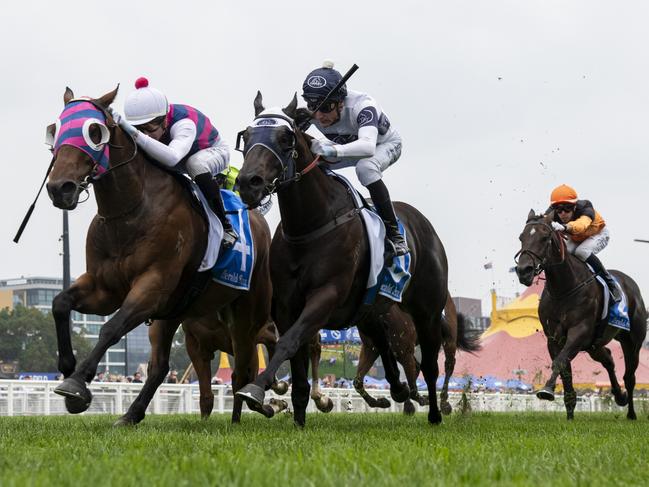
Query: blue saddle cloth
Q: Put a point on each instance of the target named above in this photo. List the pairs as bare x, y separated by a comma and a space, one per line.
618, 313
234, 265
392, 280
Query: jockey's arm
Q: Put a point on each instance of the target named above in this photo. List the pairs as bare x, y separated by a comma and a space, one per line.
183, 134
364, 146
579, 225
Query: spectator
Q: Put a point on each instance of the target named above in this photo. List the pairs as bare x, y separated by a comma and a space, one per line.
173, 377
100, 377
137, 378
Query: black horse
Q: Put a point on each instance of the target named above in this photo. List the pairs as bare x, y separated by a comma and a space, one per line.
320, 260
570, 312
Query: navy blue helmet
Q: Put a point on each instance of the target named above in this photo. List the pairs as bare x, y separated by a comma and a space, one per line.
320, 82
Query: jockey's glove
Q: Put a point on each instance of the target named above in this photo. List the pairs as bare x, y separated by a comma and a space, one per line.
124, 125
324, 147
559, 227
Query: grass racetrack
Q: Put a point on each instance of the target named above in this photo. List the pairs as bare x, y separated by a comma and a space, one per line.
333, 450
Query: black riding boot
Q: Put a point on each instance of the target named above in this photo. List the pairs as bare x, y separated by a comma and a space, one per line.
599, 269
210, 189
381, 199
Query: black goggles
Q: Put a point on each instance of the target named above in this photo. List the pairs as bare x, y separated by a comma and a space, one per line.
564, 208
327, 107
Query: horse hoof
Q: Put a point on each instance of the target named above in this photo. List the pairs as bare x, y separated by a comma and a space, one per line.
77, 396
325, 405
125, 421
631, 416
408, 408
622, 399
400, 394
280, 387
545, 394
253, 395
383, 403
446, 408
434, 417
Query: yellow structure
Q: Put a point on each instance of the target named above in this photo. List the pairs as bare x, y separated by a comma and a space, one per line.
519, 319
6, 299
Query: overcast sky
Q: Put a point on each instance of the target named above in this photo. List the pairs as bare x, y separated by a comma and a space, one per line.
497, 103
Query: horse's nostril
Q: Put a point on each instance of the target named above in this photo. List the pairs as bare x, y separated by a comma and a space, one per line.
256, 181
68, 187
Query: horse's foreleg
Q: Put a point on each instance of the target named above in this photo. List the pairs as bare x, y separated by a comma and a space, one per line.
246, 365
300, 385
161, 333
569, 394
82, 295
429, 331
141, 303
315, 313
604, 357
366, 359
576, 337
268, 338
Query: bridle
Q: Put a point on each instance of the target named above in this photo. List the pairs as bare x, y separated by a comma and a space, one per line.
541, 262
261, 134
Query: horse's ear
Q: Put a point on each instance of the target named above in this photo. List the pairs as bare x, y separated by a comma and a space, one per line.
302, 117
531, 214
549, 217
258, 103
106, 100
67, 96
290, 109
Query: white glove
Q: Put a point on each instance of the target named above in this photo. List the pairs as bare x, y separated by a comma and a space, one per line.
559, 227
121, 121
324, 147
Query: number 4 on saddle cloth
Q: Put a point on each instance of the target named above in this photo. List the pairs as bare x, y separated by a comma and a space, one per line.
387, 278
229, 266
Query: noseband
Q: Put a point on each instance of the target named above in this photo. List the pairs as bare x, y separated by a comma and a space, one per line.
540, 263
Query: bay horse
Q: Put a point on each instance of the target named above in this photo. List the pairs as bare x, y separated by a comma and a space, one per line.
143, 250
320, 260
570, 311
403, 339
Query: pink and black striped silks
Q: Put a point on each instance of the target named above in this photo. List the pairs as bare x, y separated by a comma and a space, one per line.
206, 134
77, 115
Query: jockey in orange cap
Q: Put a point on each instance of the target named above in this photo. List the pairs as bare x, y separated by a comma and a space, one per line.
586, 230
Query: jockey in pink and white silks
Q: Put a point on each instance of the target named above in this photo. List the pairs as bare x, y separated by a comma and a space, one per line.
180, 137
359, 134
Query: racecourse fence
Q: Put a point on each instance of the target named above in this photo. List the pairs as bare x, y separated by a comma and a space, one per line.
37, 398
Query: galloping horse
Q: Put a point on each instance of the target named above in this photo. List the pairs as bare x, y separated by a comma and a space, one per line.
403, 339
570, 311
143, 250
320, 260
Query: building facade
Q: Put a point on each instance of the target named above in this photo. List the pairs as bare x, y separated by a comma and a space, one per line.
38, 292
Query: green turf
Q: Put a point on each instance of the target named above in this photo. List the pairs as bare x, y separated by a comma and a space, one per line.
333, 450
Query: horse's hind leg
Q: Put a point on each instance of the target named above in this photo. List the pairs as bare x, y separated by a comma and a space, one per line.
300, 386
430, 339
161, 333
201, 361
366, 359
322, 402
449, 367
604, 357
631, 360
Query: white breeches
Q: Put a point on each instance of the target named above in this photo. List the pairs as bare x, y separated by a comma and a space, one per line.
592, 245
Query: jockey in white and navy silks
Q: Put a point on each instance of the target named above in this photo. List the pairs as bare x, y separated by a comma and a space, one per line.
180, 137
358, 134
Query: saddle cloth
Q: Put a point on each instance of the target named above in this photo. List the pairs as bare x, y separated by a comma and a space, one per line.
232, 266
391, 281
617, 314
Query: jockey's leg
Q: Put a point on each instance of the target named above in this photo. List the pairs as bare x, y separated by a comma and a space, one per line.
202, 167
586, 252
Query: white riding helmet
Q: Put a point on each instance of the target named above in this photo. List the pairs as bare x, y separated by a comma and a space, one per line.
144, 104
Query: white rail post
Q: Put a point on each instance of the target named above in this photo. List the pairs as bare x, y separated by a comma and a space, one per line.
10, 399
220, 391
46, 399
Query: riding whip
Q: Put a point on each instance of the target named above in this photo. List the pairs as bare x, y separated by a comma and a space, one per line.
31, 208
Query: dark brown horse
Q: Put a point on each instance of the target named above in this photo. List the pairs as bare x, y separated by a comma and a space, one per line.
403, 339
570, 312
320, 260
143, 250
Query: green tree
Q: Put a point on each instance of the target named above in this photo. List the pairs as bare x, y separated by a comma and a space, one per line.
29, 336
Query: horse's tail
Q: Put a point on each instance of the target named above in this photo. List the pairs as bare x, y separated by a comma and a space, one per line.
467, 339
